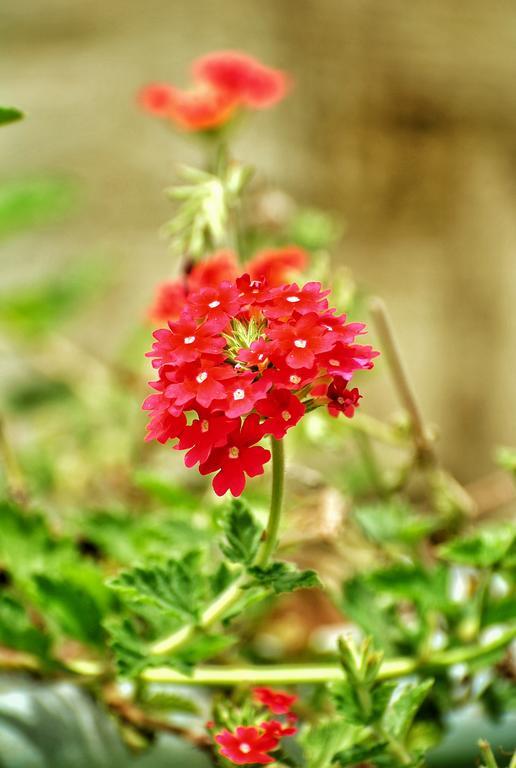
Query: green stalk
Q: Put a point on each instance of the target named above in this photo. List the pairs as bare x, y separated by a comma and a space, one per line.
325, 673
231, 595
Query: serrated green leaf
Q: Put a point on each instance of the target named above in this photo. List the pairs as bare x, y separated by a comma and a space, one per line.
403, 707
242, 534
72, 606
176, 587
359, 753
321, 741
485, 548
348, 704
284, 577
10, 115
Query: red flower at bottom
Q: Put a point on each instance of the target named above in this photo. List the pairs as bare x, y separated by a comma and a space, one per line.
279, 702
341, 399
247, 745
238, 458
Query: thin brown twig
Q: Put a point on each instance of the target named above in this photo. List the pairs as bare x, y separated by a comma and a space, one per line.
133, 715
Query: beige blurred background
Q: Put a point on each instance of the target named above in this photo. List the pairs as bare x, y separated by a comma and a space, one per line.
402, 122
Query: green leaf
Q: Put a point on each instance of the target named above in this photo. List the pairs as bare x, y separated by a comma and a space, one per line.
18, 633
176, 587
10, 115
348, 704
403, 707
73, 606
167, 701
284, 577
242, 534
394, 522
321, 741
485, 548
360, 753
24, 204
506, 458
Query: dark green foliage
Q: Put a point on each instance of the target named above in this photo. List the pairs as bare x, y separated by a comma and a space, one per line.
10, 115
18, 632
242, 534
486, 548
284, 577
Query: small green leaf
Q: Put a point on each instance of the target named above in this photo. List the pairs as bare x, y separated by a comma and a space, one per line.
24, 204
284, 577
321, 741
485, 548
10, 115
348, 704
18, 633
360, 753
242, 534
393, 523
403, 707
175, 587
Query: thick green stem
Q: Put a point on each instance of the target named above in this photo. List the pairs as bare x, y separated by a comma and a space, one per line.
231, 595
326, 673
278, 476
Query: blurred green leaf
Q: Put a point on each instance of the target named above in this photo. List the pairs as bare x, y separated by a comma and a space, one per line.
10, 115
393, 522
485, 548
506, 458
313, 229
37, 309
242, 534
403, 707
27, 203
17, 632
360, 753
321, 741
176, 496
284, 577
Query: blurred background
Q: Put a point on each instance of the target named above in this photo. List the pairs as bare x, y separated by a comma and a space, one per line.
401, 123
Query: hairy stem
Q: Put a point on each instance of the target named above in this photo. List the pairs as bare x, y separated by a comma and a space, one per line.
231, 595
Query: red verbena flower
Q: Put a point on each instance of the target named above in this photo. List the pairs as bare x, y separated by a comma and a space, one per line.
243, 77
277, 729
277, 265
226, 82
211, 272
247, 745
243, 362
278, 702
169, 301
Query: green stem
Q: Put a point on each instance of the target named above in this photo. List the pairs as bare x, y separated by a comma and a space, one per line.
487, 754
278, 475
326, 673
227, 599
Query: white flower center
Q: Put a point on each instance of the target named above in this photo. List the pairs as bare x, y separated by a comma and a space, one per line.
205, 425
341, 400
260, 356
300, 343
294, 379
233, 452
293, 299
238, 394
245, 748
189, 339
285, 415
334, 362
214, 304
201, 377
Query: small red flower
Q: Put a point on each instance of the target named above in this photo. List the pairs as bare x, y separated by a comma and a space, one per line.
247, 745
214, 302
186, 341
257, 355
288, 299
299, 342
277, 265
278, 730
156, 98
238, 458
278, 702
169, 302
201, 381
282, 410
200, 108
211, 272
243, 77
341, 399
242, 393
203, 435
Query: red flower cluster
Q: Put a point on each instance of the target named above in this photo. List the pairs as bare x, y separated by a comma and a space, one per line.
275, 265
247, 360
252, 744
226, 82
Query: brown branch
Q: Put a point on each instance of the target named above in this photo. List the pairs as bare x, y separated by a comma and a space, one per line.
127, 711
